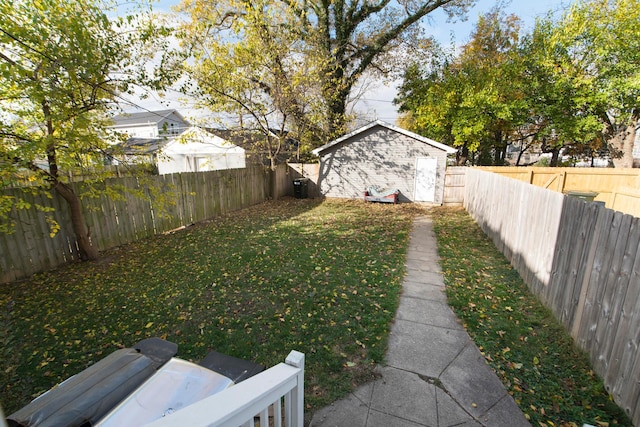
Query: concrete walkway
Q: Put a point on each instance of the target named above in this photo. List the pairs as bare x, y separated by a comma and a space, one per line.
434, 375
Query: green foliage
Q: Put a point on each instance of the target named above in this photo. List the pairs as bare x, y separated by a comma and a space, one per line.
296, 63
603, 39
63, 65
549, 378
473, 100
571, 83
321, 278
253, 65
565, 111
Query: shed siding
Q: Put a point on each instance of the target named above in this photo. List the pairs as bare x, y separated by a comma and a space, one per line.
378, 156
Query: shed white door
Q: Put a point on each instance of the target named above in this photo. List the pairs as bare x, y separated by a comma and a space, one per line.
426, 171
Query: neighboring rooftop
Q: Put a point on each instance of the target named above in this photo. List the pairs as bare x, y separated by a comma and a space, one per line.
139, 146
145, 117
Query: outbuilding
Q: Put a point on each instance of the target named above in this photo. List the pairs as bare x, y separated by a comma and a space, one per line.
384, 156
197, 150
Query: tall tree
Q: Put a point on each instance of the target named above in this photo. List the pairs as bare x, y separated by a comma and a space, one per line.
311, 53
604, 37
62, 64
474, 100
248, 58
563, 109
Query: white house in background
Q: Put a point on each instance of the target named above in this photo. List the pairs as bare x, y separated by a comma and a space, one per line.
150, 124
197, 150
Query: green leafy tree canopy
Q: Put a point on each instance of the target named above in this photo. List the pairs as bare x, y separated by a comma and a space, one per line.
63, 65
298, 61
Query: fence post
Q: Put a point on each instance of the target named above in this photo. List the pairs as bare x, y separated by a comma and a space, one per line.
273, 184
296, 359
563, 178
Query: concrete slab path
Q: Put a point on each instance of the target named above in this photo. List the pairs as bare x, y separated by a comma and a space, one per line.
434, 374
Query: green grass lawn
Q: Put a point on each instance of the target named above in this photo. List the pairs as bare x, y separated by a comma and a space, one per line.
550, 379
320, 278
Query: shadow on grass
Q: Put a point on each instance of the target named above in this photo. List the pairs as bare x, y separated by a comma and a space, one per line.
320, 277
548, 376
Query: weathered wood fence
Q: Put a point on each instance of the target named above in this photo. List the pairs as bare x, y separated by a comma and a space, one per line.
581, 259
619, 189
146, 206
454, 183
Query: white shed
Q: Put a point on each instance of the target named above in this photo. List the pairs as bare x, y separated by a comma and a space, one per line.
196, 150
384, 156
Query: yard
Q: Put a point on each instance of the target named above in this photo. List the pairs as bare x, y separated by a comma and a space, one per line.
537, 361
320, 278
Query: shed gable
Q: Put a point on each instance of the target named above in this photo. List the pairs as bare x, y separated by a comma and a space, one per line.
379, 156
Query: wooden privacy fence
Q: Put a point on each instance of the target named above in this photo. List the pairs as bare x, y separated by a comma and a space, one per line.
145, 206
454, 182
619, 189
581, 259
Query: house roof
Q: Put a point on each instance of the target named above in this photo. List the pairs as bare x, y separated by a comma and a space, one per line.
145, 117
449, 150
193, 135
196, 140
142, 146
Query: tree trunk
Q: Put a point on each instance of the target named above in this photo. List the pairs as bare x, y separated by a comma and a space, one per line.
555, 156
500, 154
462, 155
82, 233
336, 108
622, 146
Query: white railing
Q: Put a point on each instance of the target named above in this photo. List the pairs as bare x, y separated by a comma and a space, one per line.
275, 395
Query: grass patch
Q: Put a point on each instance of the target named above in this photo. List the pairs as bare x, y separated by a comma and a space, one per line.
320, 278
549, 378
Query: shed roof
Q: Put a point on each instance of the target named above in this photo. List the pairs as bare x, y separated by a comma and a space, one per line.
449, 150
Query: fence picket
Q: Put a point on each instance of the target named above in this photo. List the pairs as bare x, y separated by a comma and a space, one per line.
609, 291
583, 261
617, 321
627, 341
186, 198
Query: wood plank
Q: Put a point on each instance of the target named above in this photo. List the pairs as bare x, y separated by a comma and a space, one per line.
50, 257
601, 262
620, 284
608, 294
20, 250
562, 255
115, 223
626, 309
606, 182
147, 206
65, 239
135, 231
580, 245
12, 259
8, 272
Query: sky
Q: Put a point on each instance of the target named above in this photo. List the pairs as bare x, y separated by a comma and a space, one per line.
376, 103
379, 100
